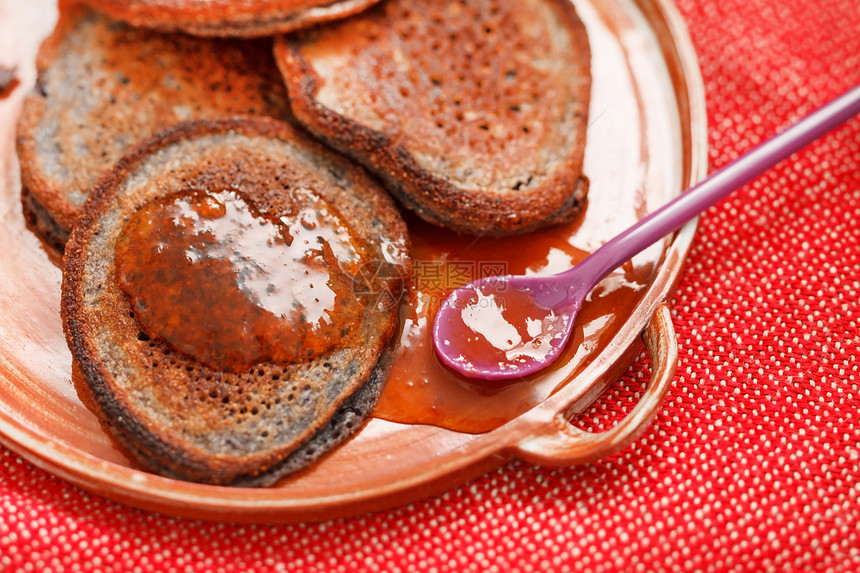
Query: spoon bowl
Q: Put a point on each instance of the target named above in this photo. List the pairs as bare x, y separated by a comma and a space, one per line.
509, 326
506, 326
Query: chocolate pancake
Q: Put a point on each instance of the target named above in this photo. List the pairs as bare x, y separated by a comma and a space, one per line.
228, 17
473, 113
103, 86
227, 295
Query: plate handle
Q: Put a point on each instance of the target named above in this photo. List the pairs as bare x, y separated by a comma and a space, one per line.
561, 443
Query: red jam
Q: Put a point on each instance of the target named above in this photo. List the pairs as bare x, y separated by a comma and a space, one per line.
232, 287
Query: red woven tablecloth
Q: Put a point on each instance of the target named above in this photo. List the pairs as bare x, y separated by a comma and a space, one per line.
753, 462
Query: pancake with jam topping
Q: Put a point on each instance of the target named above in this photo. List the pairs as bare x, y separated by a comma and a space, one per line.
227, 294
473, 113
103, 86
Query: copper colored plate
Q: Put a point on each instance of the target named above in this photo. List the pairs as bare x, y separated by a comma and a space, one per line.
647, 142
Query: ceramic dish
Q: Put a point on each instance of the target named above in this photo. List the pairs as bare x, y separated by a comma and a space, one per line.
646, 143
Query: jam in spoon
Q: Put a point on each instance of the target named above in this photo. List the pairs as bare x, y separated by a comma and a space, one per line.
509, 326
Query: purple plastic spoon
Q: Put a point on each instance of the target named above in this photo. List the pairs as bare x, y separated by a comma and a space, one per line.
509, 326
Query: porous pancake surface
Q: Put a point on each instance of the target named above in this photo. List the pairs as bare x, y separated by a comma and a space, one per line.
192, 416
104, 86
474, 112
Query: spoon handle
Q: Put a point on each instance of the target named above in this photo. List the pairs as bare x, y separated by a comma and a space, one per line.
715, 187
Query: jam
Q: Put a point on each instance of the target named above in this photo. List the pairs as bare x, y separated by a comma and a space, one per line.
498, 323
421, 390
233, 287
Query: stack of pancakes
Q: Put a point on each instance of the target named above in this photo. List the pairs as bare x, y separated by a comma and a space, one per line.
472, 114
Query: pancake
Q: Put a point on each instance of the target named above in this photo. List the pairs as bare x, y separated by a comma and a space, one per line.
104, 86
473, 113
229, 17
238, 382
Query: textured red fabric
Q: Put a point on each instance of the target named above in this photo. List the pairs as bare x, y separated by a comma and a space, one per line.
751, 465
